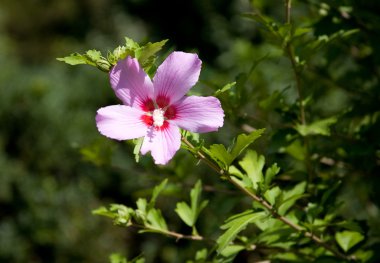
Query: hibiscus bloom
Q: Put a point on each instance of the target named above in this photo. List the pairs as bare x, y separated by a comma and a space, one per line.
156, 110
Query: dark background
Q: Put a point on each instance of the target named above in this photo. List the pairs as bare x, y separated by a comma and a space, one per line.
55, 167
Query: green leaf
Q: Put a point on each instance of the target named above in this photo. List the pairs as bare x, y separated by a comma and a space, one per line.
270, 173
75, 59
93, 55
220, 154
185, 213
131, 44
226, 87
225, 157
243, 141
324, 40
253, 165
348, 239
296, 150
272, 194
146, 53
289, 197
117, 258
156, 191
235, 225
103, 211
231, 250
190, 214
320, 127
136, 150
201, 254
156, 220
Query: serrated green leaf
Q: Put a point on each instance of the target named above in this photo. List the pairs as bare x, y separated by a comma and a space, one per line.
348, 239
253, 165
243, 141
320, 127
156, 220
93, 54
272, 194
74, 59
220, 154
225, 157
289, 197
131, 44
234, 226
270, 173
145, 53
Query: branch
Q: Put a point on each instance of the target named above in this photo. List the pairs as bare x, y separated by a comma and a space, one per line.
173, 234
264, 203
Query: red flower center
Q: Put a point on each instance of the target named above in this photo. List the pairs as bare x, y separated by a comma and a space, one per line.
158, 112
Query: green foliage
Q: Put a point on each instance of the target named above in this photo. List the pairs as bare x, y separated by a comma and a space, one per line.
233, 226
312, 83
348, 239
190, 214
146, 216
320, 127
145, 54
118, 258
225, 157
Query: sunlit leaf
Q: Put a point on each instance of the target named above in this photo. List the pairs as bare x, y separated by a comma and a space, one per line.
189, 214
320, 127
243, 141
185, 213
270, 173
75, 59
156, 219
235, 225
253, 165
348, 239
226, 87
289, 197
220, 154
272, 194
146, 53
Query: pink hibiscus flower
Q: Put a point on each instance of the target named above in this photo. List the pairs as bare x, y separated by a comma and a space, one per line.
157, 110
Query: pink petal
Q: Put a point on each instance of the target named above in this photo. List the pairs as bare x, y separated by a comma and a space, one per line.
121, 122
162, 144
176, 75
130, 83
199, 114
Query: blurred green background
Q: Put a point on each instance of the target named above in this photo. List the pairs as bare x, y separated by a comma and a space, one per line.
55, 167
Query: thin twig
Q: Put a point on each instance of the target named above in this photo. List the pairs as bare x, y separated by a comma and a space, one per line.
296, 71
264, 203
176, 235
